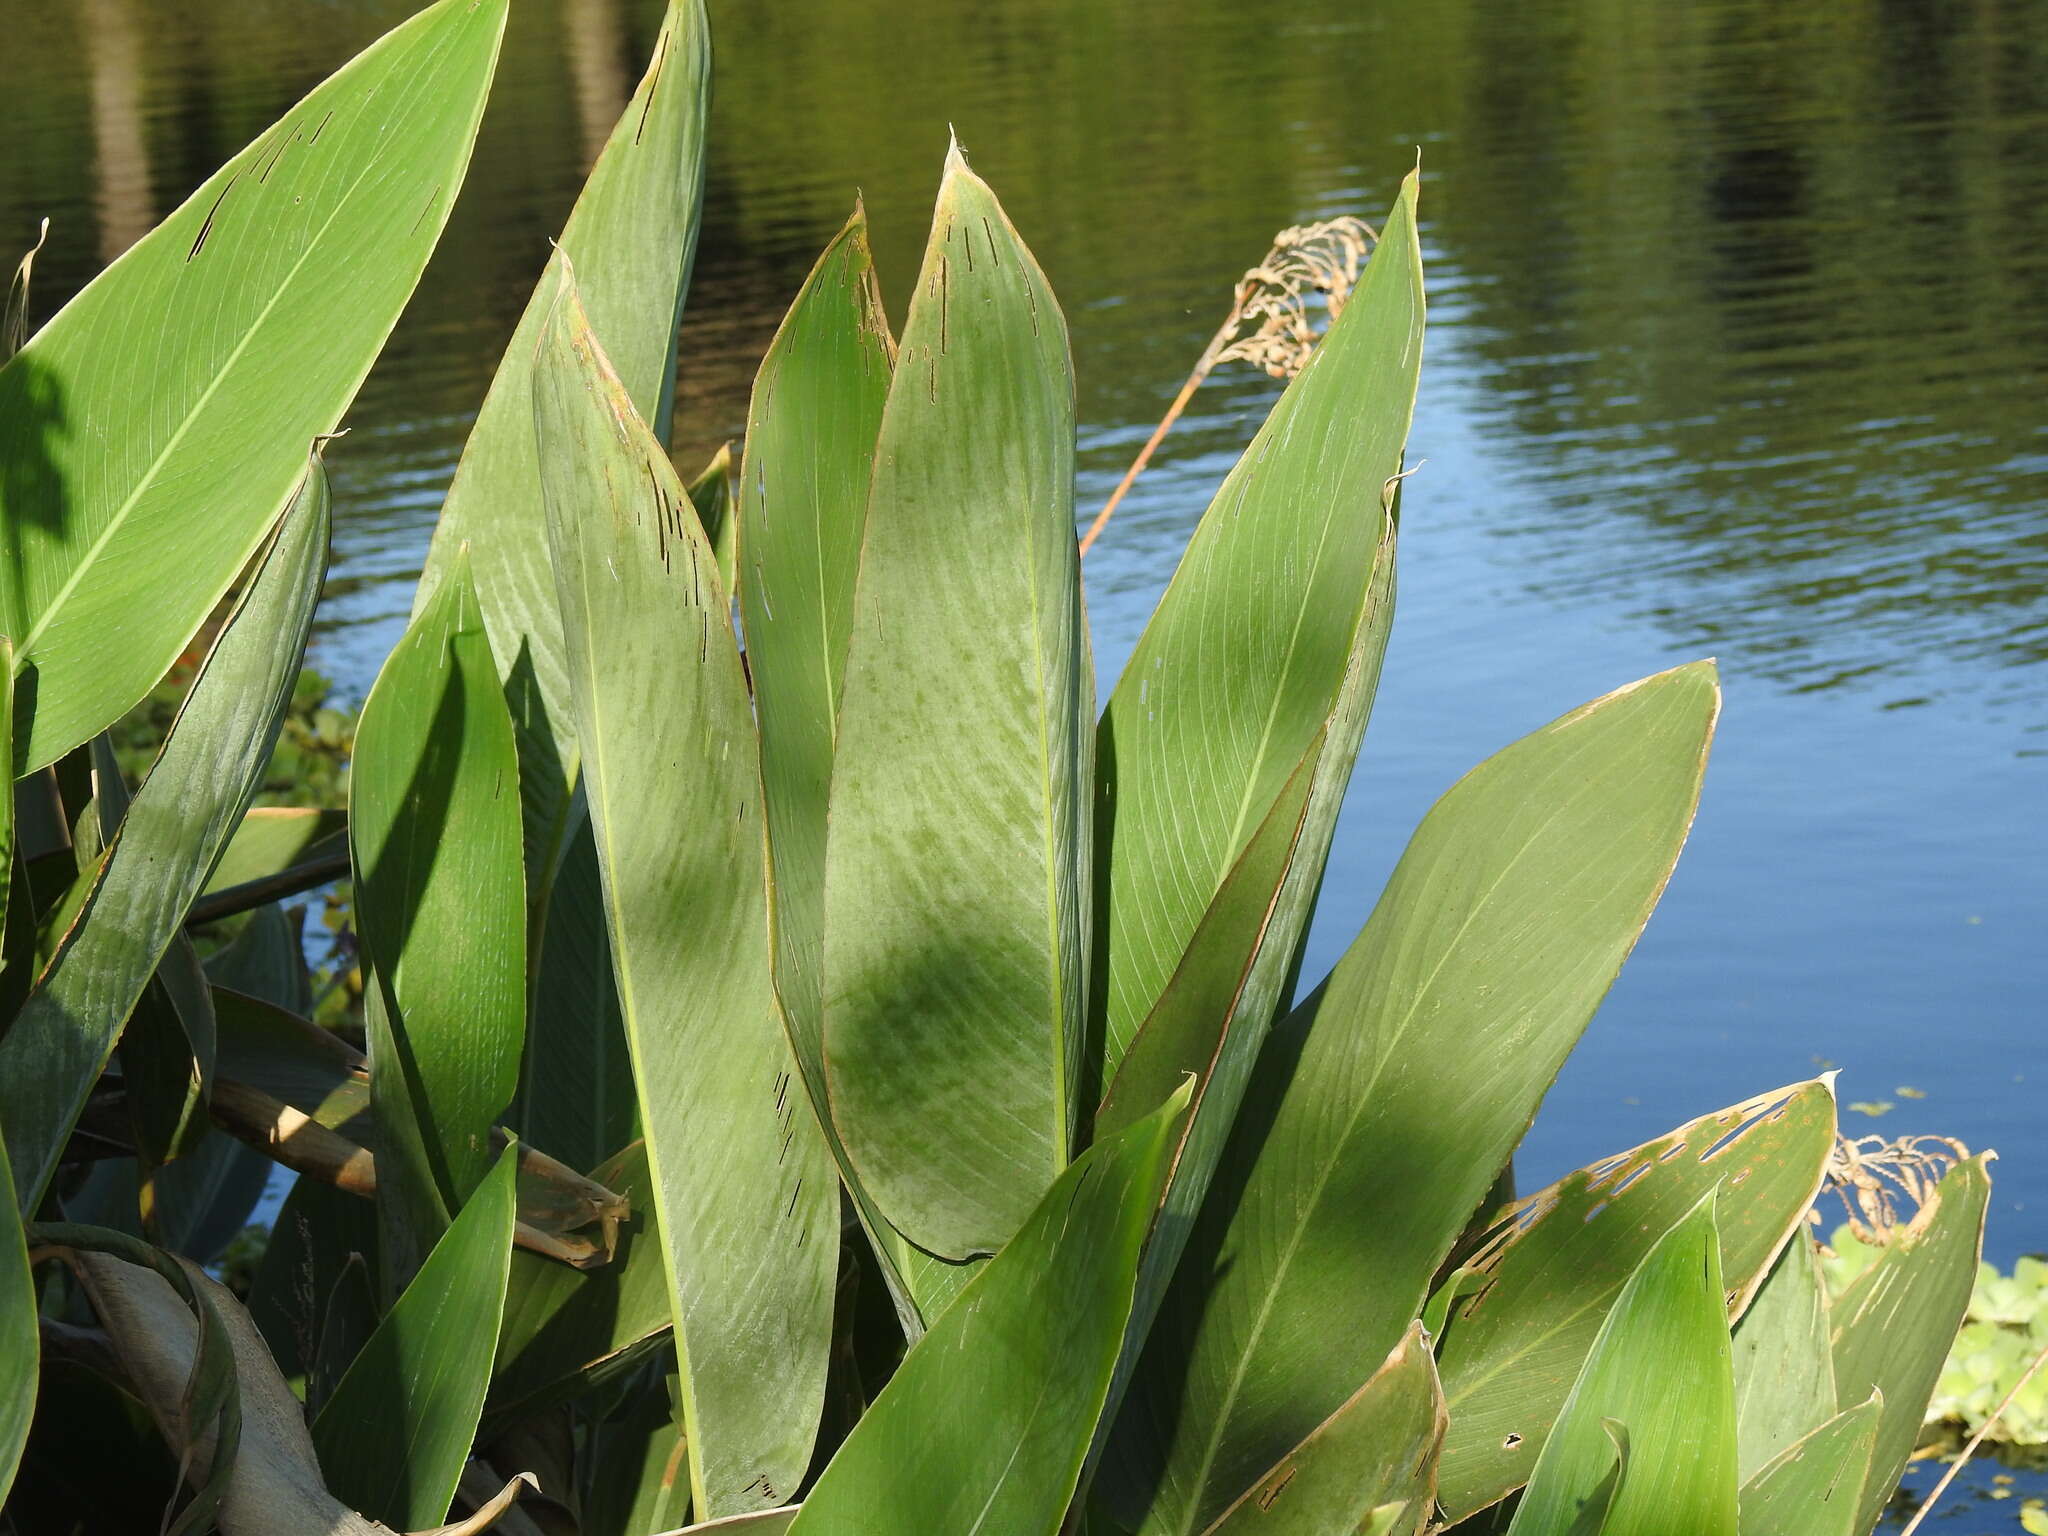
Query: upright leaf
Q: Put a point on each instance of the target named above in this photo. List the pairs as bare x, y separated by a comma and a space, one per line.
210, 767
440, 899
1893, 1325
20, 1349
7, 792
396, 1431
1381, 1110
957, 885
1243, 661
1784, 1375
1551, 1269
1378, 1449
742, 1185
1660, 1368
711, 495
155, 427
1813, 1487
985, 1424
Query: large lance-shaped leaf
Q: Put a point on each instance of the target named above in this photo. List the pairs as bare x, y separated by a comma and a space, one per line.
1553, 1266
633, 237
1380, 1448
211, 765
1784, 1374
1894, 1323
742, 1184
440, 900
957, 885
985, 1425
153, 429
19, 1350
1242, 662
1813, 1486
1382, 1109
1660, 1369
394, 1435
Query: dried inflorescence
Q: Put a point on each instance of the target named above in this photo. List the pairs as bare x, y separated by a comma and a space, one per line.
1872, 1176
1270, 323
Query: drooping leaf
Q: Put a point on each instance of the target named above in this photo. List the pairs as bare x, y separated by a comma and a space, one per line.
1784, 1374
742, 1185
986, 1423
1660, 1368
141, 478
20, 1353
394, 1435
801, 504
1813, 1487
439, 893
211, 764
1380, 1448
1243, 661
633, 237
1893, 1325
1382, 1109
1558, 1259
957, 858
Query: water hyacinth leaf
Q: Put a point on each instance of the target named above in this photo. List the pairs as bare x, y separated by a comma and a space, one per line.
957, 857
1813, 1487
1427, 1051
1378, 1449
1557, 1260
394, 1435
801, 505
1784, 1373
986, 1423
1678, 1413
633, 236
1893, 1324
126, 525
1244, 658
20, 1352
434, 837
741, 1182
210, 767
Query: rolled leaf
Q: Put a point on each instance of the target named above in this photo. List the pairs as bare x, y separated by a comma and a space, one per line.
141, 478
957, 885
986, 1423
1382, 1109
1659, 1368
1558, 1259
394, 1435
1813, 1487
1243, 661
1894, 1323
210, 767
439, 895
741, 1183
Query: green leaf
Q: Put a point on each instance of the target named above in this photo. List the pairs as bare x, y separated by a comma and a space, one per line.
634, 1457
311, 1294
711, 494
742, 1184
633, 236
273, 838
141, 478
439, 893
1893, 1326
1813, 1486
210, 768
1660, 1367
986, 1423
1244, 659
1784, 1375
1382, 1109
7, 794
801, 506
957, 885
20, 1350
1379, 1448
1557, 1260
394, 1435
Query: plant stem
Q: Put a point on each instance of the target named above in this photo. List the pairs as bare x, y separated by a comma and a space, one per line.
1970, 1449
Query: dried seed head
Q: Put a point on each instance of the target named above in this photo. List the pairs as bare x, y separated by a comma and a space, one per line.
1271, 324
1872, 1176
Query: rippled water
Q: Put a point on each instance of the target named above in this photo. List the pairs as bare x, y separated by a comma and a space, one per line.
1740, 313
